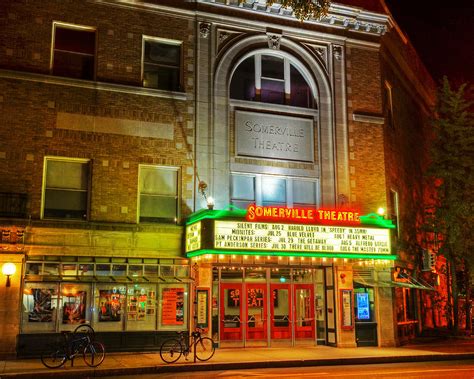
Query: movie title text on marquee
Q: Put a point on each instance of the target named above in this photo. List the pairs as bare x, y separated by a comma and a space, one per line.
193, 237
237, 235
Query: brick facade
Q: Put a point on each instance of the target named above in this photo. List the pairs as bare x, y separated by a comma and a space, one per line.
117, 124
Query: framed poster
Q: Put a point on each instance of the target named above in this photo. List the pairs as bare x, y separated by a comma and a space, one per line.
347, 321
41, 310
362, 302
110, 305
172, 312
74, 308
202, 308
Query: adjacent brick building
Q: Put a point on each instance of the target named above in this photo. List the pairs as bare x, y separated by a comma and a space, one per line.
113, 113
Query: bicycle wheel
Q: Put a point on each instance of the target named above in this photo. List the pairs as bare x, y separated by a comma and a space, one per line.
204, 348
84, 330
94, 354
171, 350
54, 358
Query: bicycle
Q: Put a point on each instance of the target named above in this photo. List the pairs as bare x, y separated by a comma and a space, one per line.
172, 349
82, 342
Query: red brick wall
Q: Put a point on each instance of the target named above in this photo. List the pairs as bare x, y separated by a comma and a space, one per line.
28, 129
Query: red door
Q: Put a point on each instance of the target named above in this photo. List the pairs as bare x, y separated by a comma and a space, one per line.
256, 311
231, 312
304, 311
280, 312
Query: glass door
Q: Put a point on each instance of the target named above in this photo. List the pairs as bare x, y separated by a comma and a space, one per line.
281, 320
304, 313
256, 312
231, 313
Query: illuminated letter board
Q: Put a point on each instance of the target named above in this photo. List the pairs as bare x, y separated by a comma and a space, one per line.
193, 237
236, 235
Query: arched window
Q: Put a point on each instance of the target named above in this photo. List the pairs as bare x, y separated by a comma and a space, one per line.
271, 79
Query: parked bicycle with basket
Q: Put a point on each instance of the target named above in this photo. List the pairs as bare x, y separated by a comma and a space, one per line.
202, 347
80, 342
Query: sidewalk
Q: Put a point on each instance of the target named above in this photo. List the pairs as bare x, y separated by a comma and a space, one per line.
227, 359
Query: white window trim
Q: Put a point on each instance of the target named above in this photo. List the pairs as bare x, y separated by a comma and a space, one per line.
74, 27
178, 192
43, 187
289, 187
167, 41
288, 59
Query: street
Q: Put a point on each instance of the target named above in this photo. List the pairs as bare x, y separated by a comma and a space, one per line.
444, 369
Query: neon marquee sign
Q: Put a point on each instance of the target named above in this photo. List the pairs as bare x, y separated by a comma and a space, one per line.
302, 215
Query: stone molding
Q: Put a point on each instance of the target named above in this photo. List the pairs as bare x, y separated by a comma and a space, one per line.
369, 119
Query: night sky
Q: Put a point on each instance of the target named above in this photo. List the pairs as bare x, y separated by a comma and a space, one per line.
442, 32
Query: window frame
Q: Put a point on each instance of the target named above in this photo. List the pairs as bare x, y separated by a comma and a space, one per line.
289, 180
288, 61
176, 169
77, 27
85, 161
166, 41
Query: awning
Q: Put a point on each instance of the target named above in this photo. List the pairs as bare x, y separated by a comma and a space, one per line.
410, 282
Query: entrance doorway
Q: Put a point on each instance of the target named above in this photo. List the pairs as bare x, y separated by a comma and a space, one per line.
267, 313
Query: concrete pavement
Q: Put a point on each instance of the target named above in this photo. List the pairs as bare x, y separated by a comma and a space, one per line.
228, 359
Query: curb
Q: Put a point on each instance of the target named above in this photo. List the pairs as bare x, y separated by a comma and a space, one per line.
161, 369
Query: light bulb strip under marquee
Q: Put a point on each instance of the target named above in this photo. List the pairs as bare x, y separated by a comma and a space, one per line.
295, 254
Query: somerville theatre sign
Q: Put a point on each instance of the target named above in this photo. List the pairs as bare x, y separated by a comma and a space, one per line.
283, 231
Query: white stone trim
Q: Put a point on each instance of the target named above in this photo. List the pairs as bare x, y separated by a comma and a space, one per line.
379, 120
90, 84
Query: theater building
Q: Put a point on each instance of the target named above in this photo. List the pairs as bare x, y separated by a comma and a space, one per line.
172, 164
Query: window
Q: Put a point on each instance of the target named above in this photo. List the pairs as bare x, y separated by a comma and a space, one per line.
271, 79
259, 189
162, 64
74, 49
158, 188
406, 305
389, 104
394, 210
66, 188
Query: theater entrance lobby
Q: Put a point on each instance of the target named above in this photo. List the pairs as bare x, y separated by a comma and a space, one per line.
269, 306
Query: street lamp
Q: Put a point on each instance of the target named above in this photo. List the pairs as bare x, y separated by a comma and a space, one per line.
8, 269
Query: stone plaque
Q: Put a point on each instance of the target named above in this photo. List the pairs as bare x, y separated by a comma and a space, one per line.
272, 136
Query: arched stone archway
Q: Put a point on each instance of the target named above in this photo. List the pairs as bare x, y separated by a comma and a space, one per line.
213, 148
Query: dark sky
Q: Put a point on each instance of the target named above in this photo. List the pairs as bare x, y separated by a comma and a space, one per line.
442, 32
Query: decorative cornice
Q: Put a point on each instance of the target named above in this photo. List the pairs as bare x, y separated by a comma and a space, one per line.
339, 16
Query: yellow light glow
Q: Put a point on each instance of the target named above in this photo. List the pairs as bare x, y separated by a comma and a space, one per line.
8, 269
381, 211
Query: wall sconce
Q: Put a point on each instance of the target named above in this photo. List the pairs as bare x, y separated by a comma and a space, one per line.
381, 211
8, 269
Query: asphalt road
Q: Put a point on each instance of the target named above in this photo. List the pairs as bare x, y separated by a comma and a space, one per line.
446, 370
